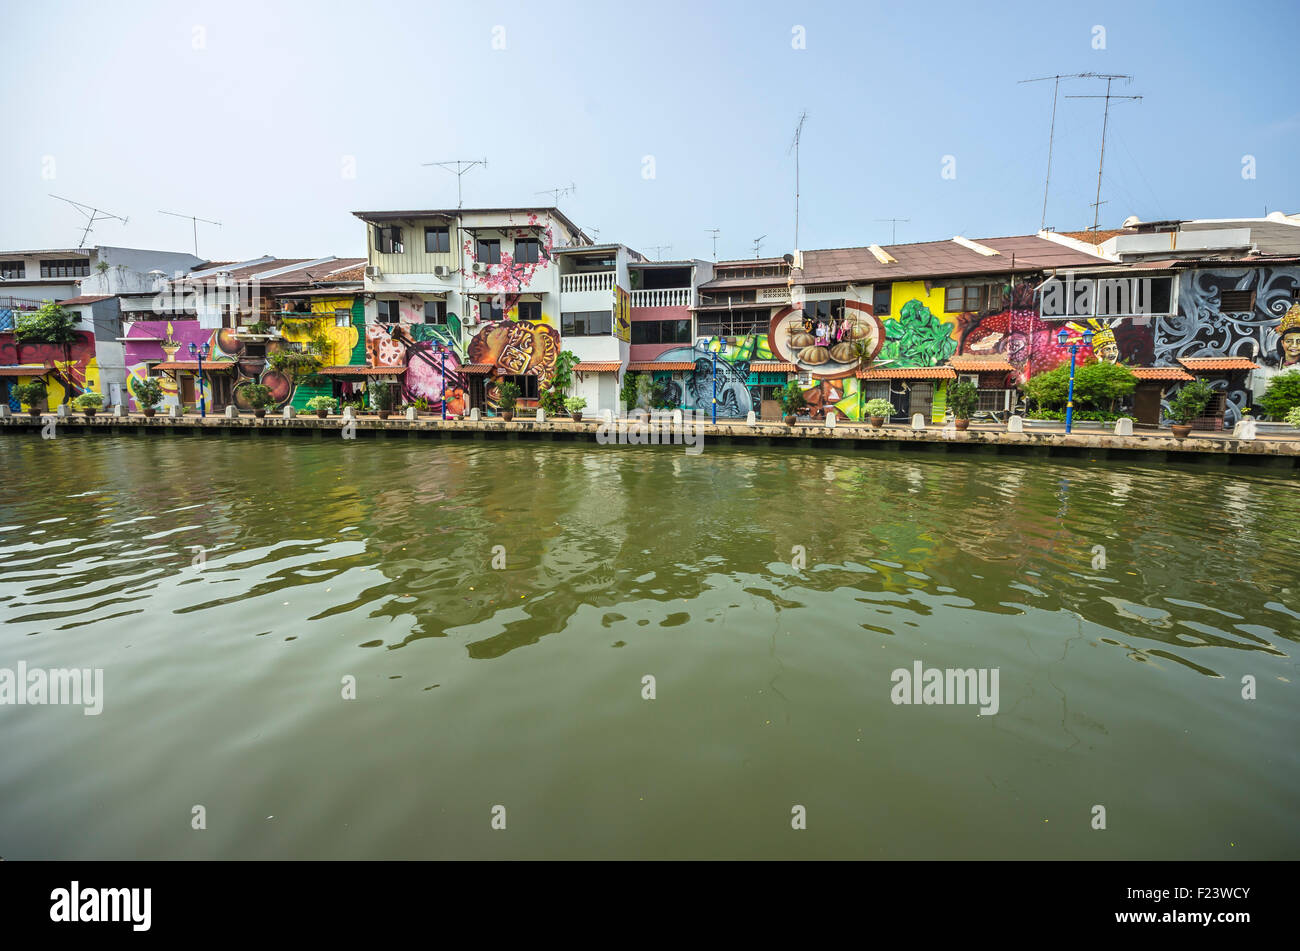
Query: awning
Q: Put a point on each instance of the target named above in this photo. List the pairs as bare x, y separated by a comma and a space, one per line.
908, 373
351, 291
608, 367
1162, 373
24, 371
193, 366
772, 366
1202, 364
478, 368
362, 370
650, 366
975, 363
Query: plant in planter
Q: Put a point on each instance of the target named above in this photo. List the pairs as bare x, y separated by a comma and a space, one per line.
552, 402
148, 394
52, 324
963, 398
1187, 405
421, 405
878, 410
88, 403
507, 399
31, 393
322, 406
1293, 417
259, 397
381, 398
792, 401
1282, 395
575, 405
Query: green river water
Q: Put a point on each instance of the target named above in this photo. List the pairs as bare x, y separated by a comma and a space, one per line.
1120, 683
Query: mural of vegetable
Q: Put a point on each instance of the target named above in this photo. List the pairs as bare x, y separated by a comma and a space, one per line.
916, 339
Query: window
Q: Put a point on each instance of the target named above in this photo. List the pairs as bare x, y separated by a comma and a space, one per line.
255, 350
528, 389
437, 240
489, 310
586, 323
9, 270
661, 331
529, 310
435, 312
973, 298
881, 298
342, 318
1236, 302
824, 311
488, 251
68, 267
388, 240
387, 311
527, 251
734, 323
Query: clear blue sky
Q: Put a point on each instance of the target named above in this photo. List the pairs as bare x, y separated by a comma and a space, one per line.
253, 129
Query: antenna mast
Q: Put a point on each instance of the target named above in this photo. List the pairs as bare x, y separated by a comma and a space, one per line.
758, 244
893, 232
92, 215
461, 167
558, 192
195, 222
715, 232
659, 250
798, 134
1105, 120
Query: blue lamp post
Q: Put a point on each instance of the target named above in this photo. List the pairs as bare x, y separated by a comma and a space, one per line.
715, 387
1062, 339
201, 352
442, 357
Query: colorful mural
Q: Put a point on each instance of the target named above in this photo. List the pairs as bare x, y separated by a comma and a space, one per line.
511, 275
826, 348
622, 315
515, 348
74, 369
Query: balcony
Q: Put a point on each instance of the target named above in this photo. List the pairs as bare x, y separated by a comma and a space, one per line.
591, 281
664, 297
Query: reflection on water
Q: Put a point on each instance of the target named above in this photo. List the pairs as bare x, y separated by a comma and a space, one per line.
227, 588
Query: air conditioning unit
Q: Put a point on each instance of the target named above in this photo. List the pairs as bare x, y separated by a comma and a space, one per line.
479, 267
441, 271
373, 272
972, 378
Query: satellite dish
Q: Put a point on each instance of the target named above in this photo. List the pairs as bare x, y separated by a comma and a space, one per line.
788, 258
1132, 221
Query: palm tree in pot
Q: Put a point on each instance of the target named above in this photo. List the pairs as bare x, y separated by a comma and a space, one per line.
792, 401
32, 393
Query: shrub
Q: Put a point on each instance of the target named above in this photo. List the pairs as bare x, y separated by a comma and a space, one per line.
88, 401
148, 392
1293, 417
791, 398
1096, 386
31, 392
552, 401
257, 395
1189, 402
381, 396
879, 407
1282, 395
318, 403
963, 397
575, 404
507, 396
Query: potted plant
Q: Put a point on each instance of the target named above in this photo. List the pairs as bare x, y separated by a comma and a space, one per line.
963, 398
1292, 417
422, 405
1188, 404
792, 401
259, 397
508, 399
148, 394
575, 405
32, 393
381, 398
322, 406
88, 403
878, 410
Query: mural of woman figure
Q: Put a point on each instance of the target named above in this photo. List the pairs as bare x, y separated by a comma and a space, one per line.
823, 334
1288, 331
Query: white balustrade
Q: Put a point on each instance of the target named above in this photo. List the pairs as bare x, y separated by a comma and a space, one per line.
593, 281
662, 297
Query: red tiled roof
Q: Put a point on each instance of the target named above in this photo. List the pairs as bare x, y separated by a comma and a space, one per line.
219, 365
28, 370
644, 365
773, 366
1218, 363
477, 367
362, 370
977, 363
1162, 373
908, 373
612, 366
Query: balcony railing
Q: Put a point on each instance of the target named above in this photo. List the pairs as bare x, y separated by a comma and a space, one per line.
594, 281
664, 297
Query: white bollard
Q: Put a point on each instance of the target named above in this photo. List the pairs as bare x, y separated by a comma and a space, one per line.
608, 416
349, 413
830, 420
473, 415
1245, 429
64, 411
5, 412
410, 414
290, 412
119, 410
175, 412
541, 415
232, 411
751, 419
918, 421
1123, 426
1016, 424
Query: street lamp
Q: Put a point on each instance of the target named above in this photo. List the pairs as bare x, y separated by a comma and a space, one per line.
715, 387
1062, 339
201, 352
442, 356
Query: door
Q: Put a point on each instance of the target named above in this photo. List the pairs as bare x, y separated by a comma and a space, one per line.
187, 391
1146, 405
921, 400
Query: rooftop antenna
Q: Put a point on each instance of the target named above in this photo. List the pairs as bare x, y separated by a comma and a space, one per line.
659, 249
1051, 135
758, 243
92, 215
195, 222
1105, 119
794, 146
461, 167
559, 192
715, 232
893, 233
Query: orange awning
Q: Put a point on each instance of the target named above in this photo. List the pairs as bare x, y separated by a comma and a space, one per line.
193, 365
772, 366
908, 373
363, 370
1218, 363
644, 366
608, 367
1162, 373
24, 371
975, 363
477, 368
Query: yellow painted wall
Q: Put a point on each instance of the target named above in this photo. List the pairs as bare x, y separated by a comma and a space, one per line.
342, 339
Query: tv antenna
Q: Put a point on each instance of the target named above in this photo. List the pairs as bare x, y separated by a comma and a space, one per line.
1105, 119
461, 166
794, 146
715, 232
92, 215
893, 233
559, 192
1051, 135
659, 250
195, 222
758, 243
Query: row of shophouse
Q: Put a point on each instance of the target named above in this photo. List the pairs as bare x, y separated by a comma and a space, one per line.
449, 304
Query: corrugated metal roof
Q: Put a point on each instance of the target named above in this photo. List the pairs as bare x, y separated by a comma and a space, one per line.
477, 367
86, 299
940, 259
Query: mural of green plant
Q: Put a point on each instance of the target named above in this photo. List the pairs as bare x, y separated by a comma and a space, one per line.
916, 339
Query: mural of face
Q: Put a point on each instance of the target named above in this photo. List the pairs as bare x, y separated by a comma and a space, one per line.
517, 347
1291, 348
1107, 353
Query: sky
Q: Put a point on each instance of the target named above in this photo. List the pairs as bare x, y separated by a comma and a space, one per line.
669, 119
